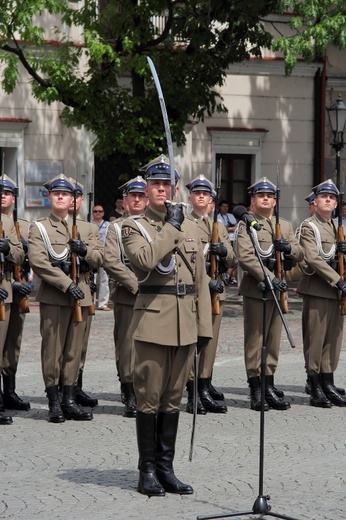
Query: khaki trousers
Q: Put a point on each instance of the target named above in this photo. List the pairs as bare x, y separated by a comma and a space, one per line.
160, 374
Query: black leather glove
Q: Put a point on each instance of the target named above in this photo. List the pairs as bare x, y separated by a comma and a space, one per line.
280, 285
217, 248
93, 287
24, 244
215, 285
341, 247
341, 285
78, 247
4, 246
175, 215
75, 291
21, 288
3, 293
202, 342
280, 244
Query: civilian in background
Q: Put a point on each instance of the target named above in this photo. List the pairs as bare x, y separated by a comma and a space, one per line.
118, 211
230, 223
102, 282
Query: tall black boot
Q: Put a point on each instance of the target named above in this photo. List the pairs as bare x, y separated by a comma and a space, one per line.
317, 396
166, 434
330, 391
81, 397
130, 401
189, 405
148, 483
208, 402
215, 394
70, 408
55, 414
11, 400
272, 398
255, 394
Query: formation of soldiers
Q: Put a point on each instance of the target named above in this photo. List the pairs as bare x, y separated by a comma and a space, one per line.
168, 298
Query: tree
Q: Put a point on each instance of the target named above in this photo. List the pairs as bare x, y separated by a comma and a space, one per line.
106, 84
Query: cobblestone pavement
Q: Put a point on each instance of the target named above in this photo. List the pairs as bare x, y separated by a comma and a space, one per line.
82, 471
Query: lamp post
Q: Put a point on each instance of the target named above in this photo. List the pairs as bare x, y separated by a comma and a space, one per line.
337, 121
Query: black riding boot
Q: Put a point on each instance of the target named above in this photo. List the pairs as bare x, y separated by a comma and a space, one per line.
81, 397
130, 401
215, 394
271, 396
206, 399
148, 483
255, 394
70, 408
330, 391
189, 405
166, 434
11, 400
317, 396
55, 414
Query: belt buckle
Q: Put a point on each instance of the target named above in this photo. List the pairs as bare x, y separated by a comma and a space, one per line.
181, 289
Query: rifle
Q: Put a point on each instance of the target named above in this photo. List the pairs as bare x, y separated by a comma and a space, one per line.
77, 316
2, 258
279, 264
214, 268
23, 301
341, 257
91, 308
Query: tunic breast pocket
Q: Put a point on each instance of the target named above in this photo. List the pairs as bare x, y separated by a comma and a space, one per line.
189, 250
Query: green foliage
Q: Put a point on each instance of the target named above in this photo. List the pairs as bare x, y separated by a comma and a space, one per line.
104, 80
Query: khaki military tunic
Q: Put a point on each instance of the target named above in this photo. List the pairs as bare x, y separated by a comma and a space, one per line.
205, 227
166, 326
123, 296
252, 297
62, 339
14, 334
321, 318
15, 257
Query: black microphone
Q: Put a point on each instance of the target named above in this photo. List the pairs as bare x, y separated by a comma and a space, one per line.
241, 213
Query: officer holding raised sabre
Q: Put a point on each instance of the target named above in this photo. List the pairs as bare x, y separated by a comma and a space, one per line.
172, 314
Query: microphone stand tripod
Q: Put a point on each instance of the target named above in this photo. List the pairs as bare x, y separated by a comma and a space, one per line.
261, 506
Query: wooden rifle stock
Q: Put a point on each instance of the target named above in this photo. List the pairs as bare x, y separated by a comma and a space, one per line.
341, 269
2, 272
214, 269
77, 316
280, 273
23, 301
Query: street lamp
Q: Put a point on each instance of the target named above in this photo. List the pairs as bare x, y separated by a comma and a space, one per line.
337, 121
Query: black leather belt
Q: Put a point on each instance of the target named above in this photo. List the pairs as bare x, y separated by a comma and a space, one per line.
180, 289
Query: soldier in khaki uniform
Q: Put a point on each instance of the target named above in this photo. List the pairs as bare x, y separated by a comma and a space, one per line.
85, 230
11, 253
124, 291
200, 196
50, 245
321, 288
17, 318
263, 203
172, 314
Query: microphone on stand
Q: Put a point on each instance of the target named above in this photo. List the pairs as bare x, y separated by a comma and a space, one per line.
241, 213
